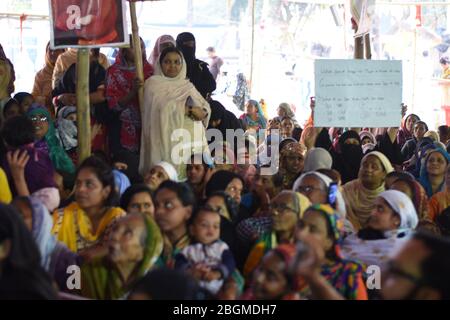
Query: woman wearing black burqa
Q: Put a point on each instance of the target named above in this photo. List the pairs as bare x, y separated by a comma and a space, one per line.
197, 70
347, 156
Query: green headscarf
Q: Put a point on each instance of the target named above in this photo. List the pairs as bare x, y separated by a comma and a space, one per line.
59, 157
100, 280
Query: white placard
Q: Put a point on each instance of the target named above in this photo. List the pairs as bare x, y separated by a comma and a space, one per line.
358, 93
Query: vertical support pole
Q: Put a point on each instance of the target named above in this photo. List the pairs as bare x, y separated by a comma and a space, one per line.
83, 105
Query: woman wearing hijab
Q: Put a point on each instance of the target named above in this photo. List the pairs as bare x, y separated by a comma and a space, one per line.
229, 182
285, 110
223, 120
22, 276
406, 130
68, 131
42, 89
121, 182
67, 59
172, 106
47, 139
64, 94
359, 194
441, 200
55, 256
391, 221
161, 43
432, 173
346, 276
196, 70
131, 256
122, 88
415, 192
292, 161
316, 187
272, 280
410, 147
285, 210
38, 173
253, 118
159, 173
317, 158
347, 158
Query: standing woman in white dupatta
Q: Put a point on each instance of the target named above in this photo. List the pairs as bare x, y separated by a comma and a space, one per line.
171, 102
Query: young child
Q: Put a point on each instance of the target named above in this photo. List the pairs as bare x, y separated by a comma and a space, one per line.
208, 259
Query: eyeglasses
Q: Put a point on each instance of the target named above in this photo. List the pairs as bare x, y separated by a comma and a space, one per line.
280, 207
39, 119
307, 189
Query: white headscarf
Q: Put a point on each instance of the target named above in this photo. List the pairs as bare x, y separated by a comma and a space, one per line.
169, 169
164, 112
340, 204
402, 205
317, 158
155, 53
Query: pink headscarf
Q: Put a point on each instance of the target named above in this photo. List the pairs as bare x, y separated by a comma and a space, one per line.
155, 53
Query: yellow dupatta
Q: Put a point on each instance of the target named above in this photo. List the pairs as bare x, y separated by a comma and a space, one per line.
72, 226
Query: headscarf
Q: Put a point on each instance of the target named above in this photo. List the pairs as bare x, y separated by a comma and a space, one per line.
188, 51
67, 129
169, 169
404, 134
102, 281
359, 199
317, 158
335, 221
41, 230
121, 181
132, 161
340, 204
293, 148
344, 275
367, 134
433, 135
49, 197
348, 160
288, 252
165, 99
287, 109
368, 147
383, 159
220, 180
261, 122
420, 198
268, 240
42, 88
59, 157
424, 179
155, 52
289, 113
421, 148
403, 206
